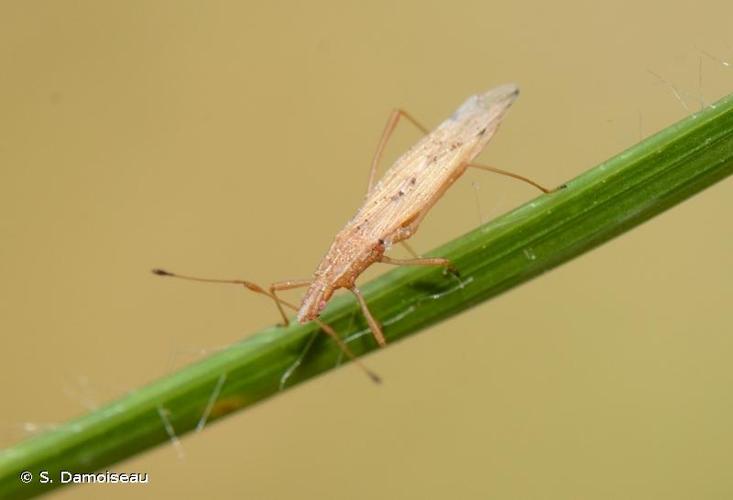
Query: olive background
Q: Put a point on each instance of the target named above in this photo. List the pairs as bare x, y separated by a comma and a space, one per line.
233, 139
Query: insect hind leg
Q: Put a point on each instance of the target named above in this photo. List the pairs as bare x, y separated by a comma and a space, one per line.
513, 175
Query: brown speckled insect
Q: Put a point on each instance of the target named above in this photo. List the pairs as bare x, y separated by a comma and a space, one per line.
396, 205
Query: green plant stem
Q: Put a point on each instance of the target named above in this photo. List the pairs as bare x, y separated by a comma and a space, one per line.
592, 208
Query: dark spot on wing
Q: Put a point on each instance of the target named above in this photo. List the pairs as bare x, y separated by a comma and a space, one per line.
455, 146
399, 194
482, 132
413, 181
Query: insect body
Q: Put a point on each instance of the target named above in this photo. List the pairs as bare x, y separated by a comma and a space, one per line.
395, 206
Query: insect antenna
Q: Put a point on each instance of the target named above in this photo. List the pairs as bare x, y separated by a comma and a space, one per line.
252, 286
258, 289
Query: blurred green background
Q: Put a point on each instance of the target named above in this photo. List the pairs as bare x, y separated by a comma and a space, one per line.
233, 139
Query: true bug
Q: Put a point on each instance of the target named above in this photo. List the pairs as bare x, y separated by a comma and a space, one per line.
396, 205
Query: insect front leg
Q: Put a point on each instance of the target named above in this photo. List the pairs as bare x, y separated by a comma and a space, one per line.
373, 324
394, 118
285, 285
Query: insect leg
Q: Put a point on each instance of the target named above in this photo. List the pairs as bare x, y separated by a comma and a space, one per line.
394, 118
286, 285
420, 261
511, 174
443, 262
373, 325
341, 344
409, 248
345, 349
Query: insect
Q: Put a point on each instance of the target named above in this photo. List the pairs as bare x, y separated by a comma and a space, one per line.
395, 206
